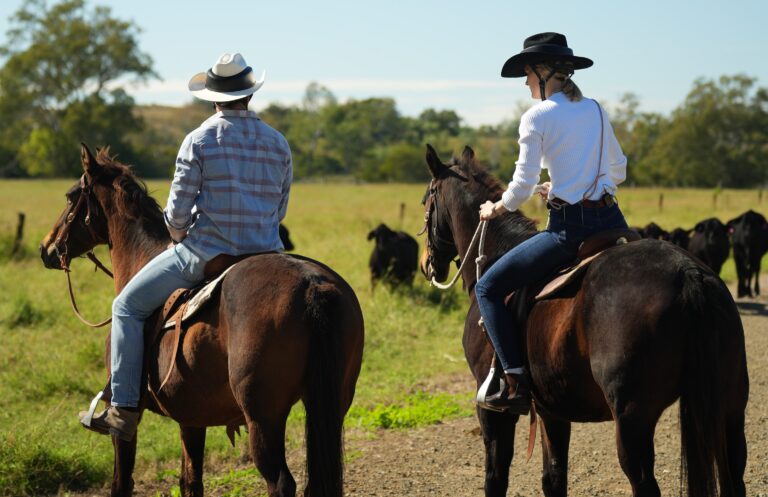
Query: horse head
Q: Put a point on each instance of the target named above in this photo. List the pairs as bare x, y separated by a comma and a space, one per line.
107, 197
451, 213
82, 225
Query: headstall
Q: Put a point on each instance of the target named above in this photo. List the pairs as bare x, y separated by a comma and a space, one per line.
60, 244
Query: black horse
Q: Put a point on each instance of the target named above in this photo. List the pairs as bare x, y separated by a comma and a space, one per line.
646, 325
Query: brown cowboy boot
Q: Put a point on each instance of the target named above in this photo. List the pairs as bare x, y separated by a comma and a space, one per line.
117, 421
515, 397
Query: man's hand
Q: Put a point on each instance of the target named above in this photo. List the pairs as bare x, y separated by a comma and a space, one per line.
176, 235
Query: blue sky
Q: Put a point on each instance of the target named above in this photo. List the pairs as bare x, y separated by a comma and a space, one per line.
446, 54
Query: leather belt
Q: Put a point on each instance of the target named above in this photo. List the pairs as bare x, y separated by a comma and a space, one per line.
557, 203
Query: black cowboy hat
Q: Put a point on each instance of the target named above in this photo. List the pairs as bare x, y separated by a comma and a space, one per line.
542, 47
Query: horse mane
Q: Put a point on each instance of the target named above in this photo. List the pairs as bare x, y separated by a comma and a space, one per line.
512, 228
132, 200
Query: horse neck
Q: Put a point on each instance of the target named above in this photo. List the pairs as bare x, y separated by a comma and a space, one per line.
133, 245
463, 227
499, 237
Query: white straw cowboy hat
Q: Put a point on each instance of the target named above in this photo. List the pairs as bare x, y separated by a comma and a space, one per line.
229, 79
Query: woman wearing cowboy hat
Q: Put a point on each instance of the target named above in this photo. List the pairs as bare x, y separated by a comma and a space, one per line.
234, 171
571, 137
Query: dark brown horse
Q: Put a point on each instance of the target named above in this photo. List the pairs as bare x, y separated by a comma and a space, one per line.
283, 328
646, 325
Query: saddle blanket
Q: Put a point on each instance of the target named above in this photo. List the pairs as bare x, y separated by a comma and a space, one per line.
197, 301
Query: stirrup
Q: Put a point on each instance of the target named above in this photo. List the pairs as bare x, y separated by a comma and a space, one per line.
92, 409
482, 393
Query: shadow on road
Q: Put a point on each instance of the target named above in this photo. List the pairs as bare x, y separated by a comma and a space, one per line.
752, 308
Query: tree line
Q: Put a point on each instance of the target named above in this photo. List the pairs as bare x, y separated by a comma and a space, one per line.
63, 68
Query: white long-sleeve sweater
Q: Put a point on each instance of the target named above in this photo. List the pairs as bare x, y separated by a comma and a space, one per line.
564, 137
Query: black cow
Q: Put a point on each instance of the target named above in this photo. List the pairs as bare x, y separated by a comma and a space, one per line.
285, 238
749, 236
654, 231
680, 237
710, 243
394, 258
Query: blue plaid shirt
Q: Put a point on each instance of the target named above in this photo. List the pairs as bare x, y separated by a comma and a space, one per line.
230, 189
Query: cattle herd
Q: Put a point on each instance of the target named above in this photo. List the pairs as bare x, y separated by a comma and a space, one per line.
711, 241
394, 258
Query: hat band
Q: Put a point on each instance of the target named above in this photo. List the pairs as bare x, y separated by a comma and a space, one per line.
549, 50
241, 81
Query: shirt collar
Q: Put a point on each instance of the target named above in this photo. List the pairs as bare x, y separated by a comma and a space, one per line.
236, 113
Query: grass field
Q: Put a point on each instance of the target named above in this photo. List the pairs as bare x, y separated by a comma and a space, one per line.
51, 365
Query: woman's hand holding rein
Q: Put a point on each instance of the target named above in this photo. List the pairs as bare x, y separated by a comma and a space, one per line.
489, 210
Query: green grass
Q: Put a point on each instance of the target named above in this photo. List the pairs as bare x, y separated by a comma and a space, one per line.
418, 409
51, 365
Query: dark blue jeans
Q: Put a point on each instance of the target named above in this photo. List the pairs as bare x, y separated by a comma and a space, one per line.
531, 261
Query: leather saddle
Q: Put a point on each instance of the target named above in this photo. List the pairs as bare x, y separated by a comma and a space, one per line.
589, 249
520, 301
172, 310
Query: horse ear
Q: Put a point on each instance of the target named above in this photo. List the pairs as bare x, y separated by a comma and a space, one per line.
436, 166
88, 160
468, 154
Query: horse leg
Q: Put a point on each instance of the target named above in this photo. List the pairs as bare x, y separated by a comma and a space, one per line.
193, 447
267, 444
499, 438
555, 441
634, 439
735, 458
125, 459
757, 277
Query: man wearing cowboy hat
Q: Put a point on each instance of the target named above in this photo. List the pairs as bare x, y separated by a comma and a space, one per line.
228, 196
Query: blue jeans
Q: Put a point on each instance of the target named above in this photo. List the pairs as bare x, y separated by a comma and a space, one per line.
531, 261
176, 267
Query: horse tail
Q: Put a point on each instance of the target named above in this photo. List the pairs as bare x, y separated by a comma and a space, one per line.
708, 307
322, 399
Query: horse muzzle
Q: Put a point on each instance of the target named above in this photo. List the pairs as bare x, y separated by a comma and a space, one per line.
425, 265
50, 257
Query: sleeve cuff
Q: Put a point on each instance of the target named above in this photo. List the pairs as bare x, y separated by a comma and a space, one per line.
509, 201
175, 225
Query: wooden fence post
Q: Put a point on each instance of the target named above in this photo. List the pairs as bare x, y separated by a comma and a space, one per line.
19, 234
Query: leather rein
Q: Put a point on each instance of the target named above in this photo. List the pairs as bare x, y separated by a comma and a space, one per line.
59, 244
430, 209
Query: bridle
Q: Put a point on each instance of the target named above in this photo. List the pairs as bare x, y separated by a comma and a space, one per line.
434, 239
60, 244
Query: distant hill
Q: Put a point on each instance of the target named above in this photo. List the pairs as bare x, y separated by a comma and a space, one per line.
174, 121
164, 129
